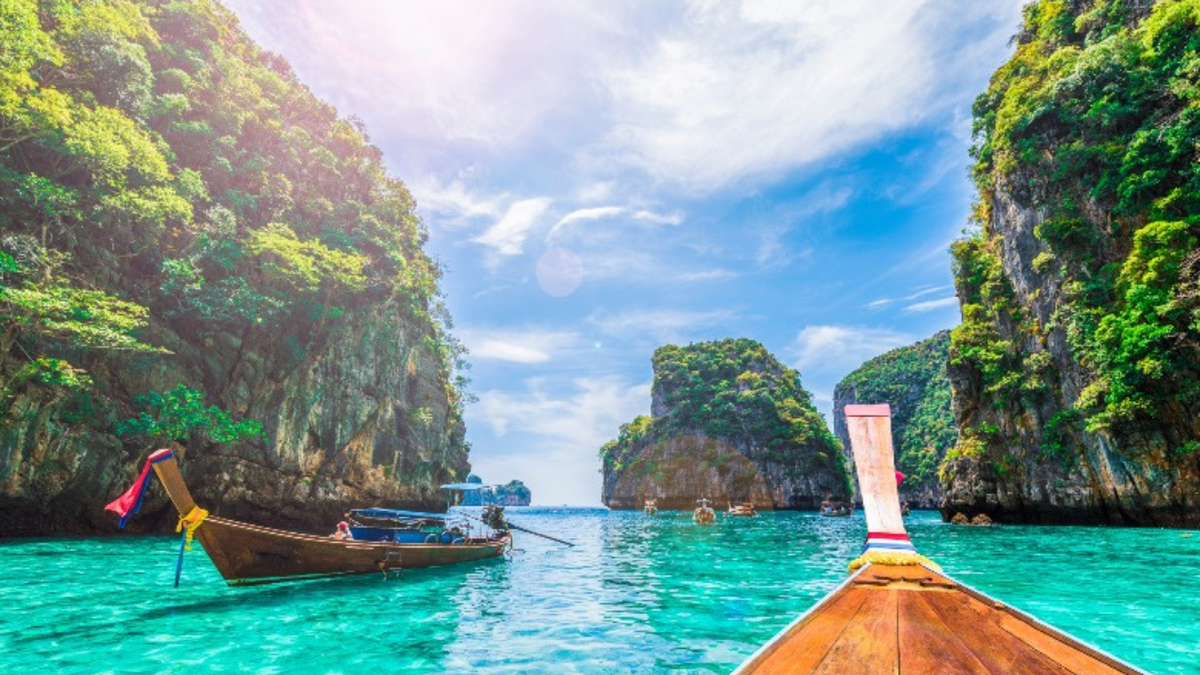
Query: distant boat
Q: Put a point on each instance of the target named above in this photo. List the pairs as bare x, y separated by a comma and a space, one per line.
898, 613
704, 515
651, 507
743, 509
252, 554
835, 510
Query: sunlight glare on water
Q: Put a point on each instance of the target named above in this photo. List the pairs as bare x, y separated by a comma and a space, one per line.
637, 594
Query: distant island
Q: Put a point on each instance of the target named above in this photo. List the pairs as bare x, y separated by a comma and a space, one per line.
729, 423
513, 493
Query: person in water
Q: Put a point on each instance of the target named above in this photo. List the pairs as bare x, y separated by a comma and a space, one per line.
343, 531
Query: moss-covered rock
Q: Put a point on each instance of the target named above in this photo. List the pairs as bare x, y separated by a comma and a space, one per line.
1076, 370
242, 245
912, 380
730, 423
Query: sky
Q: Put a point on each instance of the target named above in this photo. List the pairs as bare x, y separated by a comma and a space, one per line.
603, 177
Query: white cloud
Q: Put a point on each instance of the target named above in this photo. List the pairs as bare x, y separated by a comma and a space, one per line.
920, 293
833, 347
507, 237
592, 213
716, 274
661, 326
659, 218
453, 204
566, 432
700, 94
596, 192
516, 346
925, 291
931, 305
744, 89
603, 212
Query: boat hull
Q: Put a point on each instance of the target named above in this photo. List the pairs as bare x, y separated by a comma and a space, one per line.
253, 554
250, 554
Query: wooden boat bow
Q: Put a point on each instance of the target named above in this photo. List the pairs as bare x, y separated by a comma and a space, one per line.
899, 613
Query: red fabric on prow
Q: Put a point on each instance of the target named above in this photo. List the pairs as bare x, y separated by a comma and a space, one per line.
131, 500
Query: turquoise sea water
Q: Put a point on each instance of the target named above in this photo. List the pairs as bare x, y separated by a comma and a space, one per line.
637, 594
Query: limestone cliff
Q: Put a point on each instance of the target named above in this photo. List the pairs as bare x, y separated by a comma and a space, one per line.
912, 380
193, 246
730, 423
1075, 371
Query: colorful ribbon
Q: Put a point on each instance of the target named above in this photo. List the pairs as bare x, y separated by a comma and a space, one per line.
130, 502
191, 521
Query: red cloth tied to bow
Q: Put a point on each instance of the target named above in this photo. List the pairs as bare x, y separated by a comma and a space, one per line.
130, 502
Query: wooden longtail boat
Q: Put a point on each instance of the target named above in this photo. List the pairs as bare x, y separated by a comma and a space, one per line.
900, 614
251, 554
743, 509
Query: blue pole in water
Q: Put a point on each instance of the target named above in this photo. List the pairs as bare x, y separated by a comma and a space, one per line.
179, 563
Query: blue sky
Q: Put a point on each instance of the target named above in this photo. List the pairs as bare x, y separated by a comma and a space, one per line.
601, 178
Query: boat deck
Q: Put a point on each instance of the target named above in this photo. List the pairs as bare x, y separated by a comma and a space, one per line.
914, 621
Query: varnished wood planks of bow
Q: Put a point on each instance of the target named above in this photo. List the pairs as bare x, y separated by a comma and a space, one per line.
900, 615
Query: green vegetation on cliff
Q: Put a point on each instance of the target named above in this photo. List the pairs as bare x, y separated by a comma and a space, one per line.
1094, 123
912, 380
183, 220
735, 392
727, 388
514, 492
154, 161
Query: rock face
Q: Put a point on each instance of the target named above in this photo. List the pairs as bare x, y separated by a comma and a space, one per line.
912, 380
365, 419
271, 253
728, 423
1074, 372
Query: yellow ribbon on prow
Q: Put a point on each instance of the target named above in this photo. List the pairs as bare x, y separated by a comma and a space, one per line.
192, 521
898, 558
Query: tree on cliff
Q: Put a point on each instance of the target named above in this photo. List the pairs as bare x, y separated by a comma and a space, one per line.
736, 393
913, 381
189, 193
1081, 320
159, 155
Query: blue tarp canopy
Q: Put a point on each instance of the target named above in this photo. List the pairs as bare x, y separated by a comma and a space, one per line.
467, 486
397, 515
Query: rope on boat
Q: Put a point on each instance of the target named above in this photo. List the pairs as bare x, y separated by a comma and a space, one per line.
187, 526
191, 521
897, 558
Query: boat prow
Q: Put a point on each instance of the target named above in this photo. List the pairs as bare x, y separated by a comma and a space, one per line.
898, 613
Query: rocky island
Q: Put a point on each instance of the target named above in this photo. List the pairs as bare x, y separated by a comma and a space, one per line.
730, 423
913, 381
512, 493
1076, 370
197, 252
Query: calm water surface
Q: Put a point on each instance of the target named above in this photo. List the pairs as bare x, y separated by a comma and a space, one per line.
637, 594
